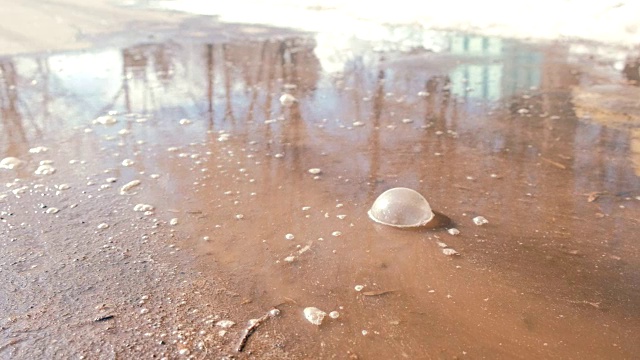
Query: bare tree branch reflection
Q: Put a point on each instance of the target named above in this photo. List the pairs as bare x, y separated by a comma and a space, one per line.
210, 85
374, 143
227, 67
13, 131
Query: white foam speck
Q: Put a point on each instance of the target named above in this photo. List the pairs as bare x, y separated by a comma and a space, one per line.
105, 120
45, 169
38, 150
11, 163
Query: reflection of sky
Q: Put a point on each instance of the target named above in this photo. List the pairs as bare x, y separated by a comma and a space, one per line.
92, 74
86, 79
73, 86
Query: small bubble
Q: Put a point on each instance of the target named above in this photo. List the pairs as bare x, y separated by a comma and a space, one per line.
453, 231
128, 186
38, 150
11, 163
143, 208
480, 220
225, 324
450, 252
105, 120
45, 170
314, 315
287, 100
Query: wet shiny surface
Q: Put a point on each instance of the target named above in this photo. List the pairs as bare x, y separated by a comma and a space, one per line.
489, 127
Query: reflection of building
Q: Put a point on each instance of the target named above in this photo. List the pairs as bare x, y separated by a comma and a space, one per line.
477, 76
479, 67
492, 68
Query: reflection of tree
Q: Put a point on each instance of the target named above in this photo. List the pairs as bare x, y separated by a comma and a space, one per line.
374, 143
26, 102
255, 90
439, 99
300, 66
211, 78
163, 65
238, 79
11, 124
144, 68
13, 131
228, 81
134, 69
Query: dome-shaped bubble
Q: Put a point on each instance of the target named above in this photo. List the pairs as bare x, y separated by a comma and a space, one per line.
401, 207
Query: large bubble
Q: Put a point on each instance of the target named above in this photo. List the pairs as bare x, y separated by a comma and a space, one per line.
401, 207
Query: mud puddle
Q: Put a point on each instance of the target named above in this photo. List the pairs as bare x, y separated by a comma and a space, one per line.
257, 200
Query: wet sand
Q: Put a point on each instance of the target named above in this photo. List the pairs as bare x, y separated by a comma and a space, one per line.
541, 142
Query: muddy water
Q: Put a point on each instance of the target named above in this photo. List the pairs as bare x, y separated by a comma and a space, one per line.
488, 130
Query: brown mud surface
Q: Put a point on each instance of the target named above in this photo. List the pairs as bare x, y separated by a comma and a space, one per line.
543, 143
